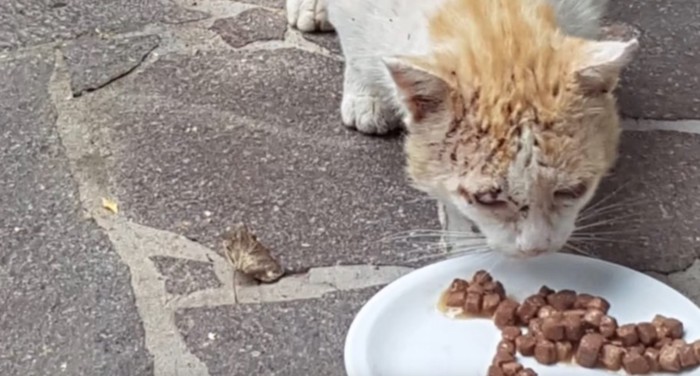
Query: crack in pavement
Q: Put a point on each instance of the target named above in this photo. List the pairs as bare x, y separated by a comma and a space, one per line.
136, 244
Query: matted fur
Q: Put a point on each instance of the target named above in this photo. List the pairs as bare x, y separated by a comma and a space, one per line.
509, 108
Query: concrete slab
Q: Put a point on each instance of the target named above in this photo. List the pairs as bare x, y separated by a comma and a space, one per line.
234, 145
659, 226
664, 81
303, 337
32, 22
95, 62
250, 26
67, 303
183, 277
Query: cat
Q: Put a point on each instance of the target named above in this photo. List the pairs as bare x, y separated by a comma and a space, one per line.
508, 105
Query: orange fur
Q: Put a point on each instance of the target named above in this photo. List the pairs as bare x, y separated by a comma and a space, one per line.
509, 67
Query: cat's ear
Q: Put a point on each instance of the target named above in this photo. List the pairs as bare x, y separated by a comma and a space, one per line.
421, 92
602, 62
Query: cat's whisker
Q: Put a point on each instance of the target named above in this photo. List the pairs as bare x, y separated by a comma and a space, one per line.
607, 210
604, 240
461, 252
412, 236
578, 250
600, 233
607, 197
452, 245
633, 202
604, 222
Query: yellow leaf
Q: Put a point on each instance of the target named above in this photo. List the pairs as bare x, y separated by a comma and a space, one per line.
110, 205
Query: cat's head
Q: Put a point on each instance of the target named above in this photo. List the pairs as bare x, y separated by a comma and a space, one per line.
517, 141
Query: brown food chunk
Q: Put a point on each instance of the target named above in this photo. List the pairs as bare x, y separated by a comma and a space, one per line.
611, 357
582, 301
553, 329
506, 346
476, 288
455, 298
530, 308
638, 349
473, 304
635, 364
527, 372
628, 335
599, 304
503, 357
535, 327
481, 277
668, 327
547, 311
490, 303
526, 345
545, 352
608, 326
679, 343
663, 342
565, 350
588, 350
670, 358
652, 356
573, 328
545, 291
696, 348
459, 285
495, 370
512, 368
510, 333
646, 333
505, 313
593, 318
578, 313
496, 288
674, 328
562, 300
687, 357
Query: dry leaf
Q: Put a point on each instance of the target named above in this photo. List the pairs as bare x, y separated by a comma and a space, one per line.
110, 205
250, 257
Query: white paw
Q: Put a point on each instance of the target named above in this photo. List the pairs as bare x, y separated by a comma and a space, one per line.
308, 15
368, 114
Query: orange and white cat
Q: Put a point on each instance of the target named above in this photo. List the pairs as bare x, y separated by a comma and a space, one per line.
508, 104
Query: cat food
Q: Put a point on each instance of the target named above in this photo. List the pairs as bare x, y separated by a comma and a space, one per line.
635, 364
611, 357
525, 345
589, 348
545, 352
564, 326
505, 313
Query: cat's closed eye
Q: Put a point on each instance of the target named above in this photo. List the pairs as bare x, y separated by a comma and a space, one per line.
490, 199
572, 193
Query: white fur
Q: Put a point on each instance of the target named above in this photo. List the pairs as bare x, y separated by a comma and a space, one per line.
371, 30
308, 15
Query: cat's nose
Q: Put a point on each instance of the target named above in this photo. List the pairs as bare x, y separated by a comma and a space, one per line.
533, 252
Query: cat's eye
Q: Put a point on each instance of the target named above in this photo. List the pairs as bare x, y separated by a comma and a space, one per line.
490, 199
572, 193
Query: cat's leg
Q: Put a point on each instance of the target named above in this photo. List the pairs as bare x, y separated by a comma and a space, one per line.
366, 104
308, 15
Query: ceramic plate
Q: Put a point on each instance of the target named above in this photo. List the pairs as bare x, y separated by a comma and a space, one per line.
400, 331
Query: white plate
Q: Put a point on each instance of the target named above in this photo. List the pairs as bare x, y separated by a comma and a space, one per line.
400, 331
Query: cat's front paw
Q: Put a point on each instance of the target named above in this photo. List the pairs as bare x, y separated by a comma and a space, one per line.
368, 114
308, 15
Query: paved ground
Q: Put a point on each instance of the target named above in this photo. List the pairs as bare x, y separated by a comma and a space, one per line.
196, 114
